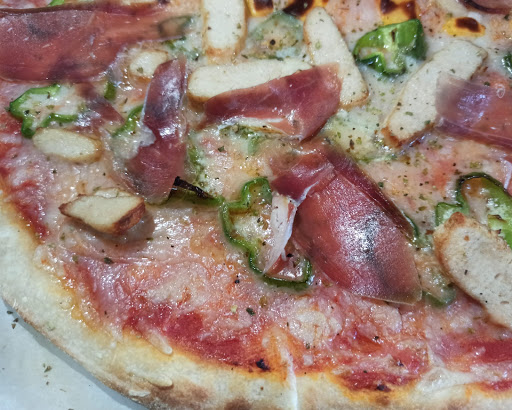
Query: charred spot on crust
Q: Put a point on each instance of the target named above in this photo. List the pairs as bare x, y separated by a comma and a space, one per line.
263, 5
389, 6
382, 387
298, 7
468, 23
262, 365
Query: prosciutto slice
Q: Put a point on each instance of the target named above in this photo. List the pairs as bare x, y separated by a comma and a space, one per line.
308, 171
490, 6
156, 166
75, 42
100, 113
351, 233
469, 110
298, 104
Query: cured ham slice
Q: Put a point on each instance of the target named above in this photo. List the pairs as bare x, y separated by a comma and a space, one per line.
298, 104
156, 166
469, 110
490, 6
305, 174
100, 112
75, 42
354, 235
351, 172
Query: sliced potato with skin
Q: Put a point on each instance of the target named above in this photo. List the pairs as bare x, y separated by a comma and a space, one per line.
326, 45
479, 262
144, 64
110, 210
415, 111
68, 145
225, 28
208, 81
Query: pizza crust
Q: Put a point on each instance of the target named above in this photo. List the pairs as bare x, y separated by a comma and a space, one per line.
137, 369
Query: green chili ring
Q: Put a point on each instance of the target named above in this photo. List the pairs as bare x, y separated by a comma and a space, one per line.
250, 249
130, 124
501, 221
17, 111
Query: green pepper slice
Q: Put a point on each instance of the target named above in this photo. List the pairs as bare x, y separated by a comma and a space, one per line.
256, 190
110, 91
498, 201
183, 190
31, 107
305, 279
130, 124
256, 193
385, 48
56, 3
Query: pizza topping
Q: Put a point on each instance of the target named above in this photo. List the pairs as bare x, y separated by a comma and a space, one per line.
486, 198
208, 81
227, 27
186, 191
490, 6
145, 63
33, 47
279, 36
350, 171
248, 226
281, 223
156, 166
479, 262
415, 111
438, 289
295, 180
478, 111
326, 45
298, 105
386, 48
39, 107
255, 197
68, 145
347, 227
130, 124
99, 114
292, 271
109, 211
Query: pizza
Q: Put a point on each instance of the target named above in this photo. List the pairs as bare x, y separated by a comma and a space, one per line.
263, 204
